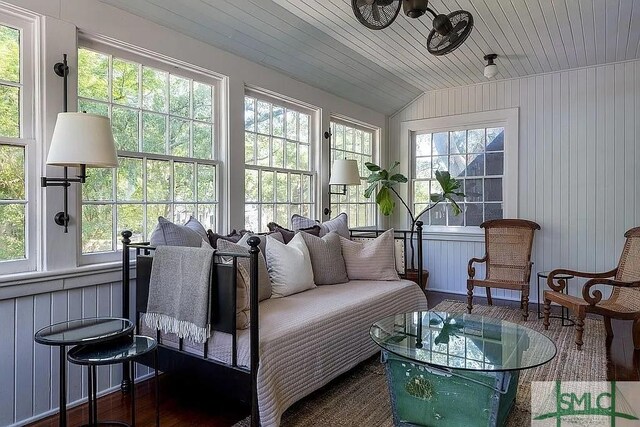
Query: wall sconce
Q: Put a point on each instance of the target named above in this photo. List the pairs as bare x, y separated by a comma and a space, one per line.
343, 172
79, 140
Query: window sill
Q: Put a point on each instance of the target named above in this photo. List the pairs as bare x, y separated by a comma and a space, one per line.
39, 282
454, 236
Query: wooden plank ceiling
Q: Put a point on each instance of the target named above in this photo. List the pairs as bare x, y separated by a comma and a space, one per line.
321, 43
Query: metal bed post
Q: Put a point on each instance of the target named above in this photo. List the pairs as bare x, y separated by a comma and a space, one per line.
125, 386
254, 253
419, 231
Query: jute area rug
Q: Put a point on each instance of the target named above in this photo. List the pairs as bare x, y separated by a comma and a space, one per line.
360, 397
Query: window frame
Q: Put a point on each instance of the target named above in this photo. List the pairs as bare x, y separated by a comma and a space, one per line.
313, 112
28, 25
505, 118
172, 67
375, 158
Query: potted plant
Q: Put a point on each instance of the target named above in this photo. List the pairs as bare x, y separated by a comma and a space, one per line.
385, 182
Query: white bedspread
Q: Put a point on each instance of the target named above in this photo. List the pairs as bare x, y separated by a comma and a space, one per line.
310, 338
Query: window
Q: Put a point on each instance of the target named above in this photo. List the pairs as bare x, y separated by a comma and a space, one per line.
353, 142
480, 150
279, 176
165, 129
17, 146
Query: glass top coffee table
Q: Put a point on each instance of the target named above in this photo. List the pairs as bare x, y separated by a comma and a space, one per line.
456, 369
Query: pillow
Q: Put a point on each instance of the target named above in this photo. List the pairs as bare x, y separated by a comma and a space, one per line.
399, 244
287, 234
373, 260
234, 237
339, 224
197, 226
326, 258
244, 268
289, 266
168, 233
263, 240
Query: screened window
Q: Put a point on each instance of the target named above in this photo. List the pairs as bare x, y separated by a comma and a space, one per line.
164, 126
279, 177
473, 156
17, 149
354, 143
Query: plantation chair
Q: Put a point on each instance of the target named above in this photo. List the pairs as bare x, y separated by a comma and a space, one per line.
624, 302
508, 245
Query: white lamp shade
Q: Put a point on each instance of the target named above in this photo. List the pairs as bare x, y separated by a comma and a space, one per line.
82, 139
490, 71
344, 172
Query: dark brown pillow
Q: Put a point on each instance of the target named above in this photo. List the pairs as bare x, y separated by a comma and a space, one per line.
233, 237
287, 234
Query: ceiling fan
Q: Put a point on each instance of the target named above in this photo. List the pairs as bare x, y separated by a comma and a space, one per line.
448, 33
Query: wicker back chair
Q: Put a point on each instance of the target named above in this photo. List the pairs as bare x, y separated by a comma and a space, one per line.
624, 302
508, 245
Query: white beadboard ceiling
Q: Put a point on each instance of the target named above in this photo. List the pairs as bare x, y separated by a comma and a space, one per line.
321, 43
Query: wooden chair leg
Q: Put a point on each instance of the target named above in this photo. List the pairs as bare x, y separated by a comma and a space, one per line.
469, 297
489, 300
524, 302
607, 327
580, 315
547, 312
636, 334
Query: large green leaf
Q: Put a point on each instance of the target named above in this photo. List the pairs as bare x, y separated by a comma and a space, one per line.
399, 178
385, 201
369, 190
372, 166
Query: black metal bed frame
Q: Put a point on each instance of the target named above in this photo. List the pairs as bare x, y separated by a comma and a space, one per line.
235, 381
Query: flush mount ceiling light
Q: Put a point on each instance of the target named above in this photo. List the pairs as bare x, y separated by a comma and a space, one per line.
491, 69
448, 33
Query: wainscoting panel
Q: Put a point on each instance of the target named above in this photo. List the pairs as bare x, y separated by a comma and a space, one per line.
579, 153
29, 372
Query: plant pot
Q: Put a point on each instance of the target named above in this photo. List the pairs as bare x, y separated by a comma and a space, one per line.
413, 276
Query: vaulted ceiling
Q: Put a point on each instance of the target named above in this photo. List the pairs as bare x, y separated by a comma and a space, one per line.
321, 43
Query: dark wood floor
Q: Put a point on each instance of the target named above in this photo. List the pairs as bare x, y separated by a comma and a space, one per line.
189, 405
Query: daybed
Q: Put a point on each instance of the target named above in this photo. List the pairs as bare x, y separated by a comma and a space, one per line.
305, 340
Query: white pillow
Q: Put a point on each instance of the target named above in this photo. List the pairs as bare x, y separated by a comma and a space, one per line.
372, 260
289, 266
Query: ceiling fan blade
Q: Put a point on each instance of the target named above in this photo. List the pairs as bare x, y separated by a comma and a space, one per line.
376, 11
459, 27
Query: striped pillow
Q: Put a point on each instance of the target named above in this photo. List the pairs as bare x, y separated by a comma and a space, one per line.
372, 260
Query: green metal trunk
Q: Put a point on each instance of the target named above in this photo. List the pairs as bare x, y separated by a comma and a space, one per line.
422, 395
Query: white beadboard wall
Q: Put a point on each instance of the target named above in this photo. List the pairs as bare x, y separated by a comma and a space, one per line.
579, 157
31, 388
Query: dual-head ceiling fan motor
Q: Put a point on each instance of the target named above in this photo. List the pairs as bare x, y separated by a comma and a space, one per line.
448, 33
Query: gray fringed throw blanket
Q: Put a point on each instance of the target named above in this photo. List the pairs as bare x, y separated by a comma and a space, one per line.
179, 292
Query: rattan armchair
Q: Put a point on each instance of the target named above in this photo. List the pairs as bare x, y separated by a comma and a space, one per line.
508, 260
624, 302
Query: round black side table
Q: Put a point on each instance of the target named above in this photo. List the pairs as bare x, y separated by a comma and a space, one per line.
80, 331
109, 353
564, 312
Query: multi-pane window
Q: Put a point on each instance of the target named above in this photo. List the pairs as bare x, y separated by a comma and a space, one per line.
354, 143
165, 129
473, 156
279, 176
16, 146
